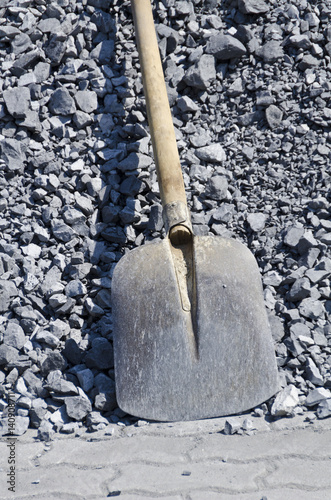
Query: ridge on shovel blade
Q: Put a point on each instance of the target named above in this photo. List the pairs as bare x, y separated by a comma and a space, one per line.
168, 367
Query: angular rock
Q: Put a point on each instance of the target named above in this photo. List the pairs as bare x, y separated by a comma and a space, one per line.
252, 6
81, 119
285, 401
224, 213
14, 335
300, 290
308, 61
86, 100
311, 308
53, 361
72, 216
213, 153
75, 288
256, 221
306, 242
134, 161
46, 431
313, 373
62, 231
270, 52
225, 47
12, 153
37, 412
324, 409
48, 338
130, 186
274, 116
78, 407
72, 352
316, 396
186, 105
8, 354
101, 355
95, 421
276, 327
17, 101
202, 73
293, 235
55, 50
49, 25
20, 43
55, 382
232, 426
61, 102
103, 52
155, 222
69, 428
92, 308
21, 426
86, 379
217, 187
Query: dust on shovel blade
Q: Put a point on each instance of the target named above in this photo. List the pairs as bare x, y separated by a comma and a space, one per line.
172, 363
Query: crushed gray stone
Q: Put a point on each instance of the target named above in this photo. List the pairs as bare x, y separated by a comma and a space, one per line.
249, 89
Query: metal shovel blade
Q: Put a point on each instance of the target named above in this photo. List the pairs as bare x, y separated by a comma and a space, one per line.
170, 368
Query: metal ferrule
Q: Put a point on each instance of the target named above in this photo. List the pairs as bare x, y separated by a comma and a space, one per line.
175, 213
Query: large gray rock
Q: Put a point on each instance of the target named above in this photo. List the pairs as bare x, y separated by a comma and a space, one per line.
274, 116
17, 101
13, 154
134, 161
256, 221
21, 43
213, 153
285, 401
61, 102
8, 354
202, 73
270, 52
62, 231
313, 373
316, 396
101, 355
324, 409
86, 100
293, 235
14, 335
217, 187
103, 52
75, 288
55, 50
300, 289
225, 47
252, 6
311, 308
78, 407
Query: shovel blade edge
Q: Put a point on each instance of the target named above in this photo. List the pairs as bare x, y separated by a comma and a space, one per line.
158, 375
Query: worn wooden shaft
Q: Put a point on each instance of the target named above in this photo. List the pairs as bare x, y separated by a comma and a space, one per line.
158, 110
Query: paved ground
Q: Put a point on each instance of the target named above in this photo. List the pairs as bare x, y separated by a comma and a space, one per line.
287, 460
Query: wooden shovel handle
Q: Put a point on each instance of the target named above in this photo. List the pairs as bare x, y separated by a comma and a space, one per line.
158, 110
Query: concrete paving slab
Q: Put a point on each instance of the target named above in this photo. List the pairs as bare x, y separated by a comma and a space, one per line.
25, 453
160, 450
302, 473
61, 480
150, 479
303, 443
270, 494
178, 461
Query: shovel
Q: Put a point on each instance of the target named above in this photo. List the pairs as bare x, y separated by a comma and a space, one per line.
191, 333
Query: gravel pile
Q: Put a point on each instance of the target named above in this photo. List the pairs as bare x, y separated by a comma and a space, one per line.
249, 86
